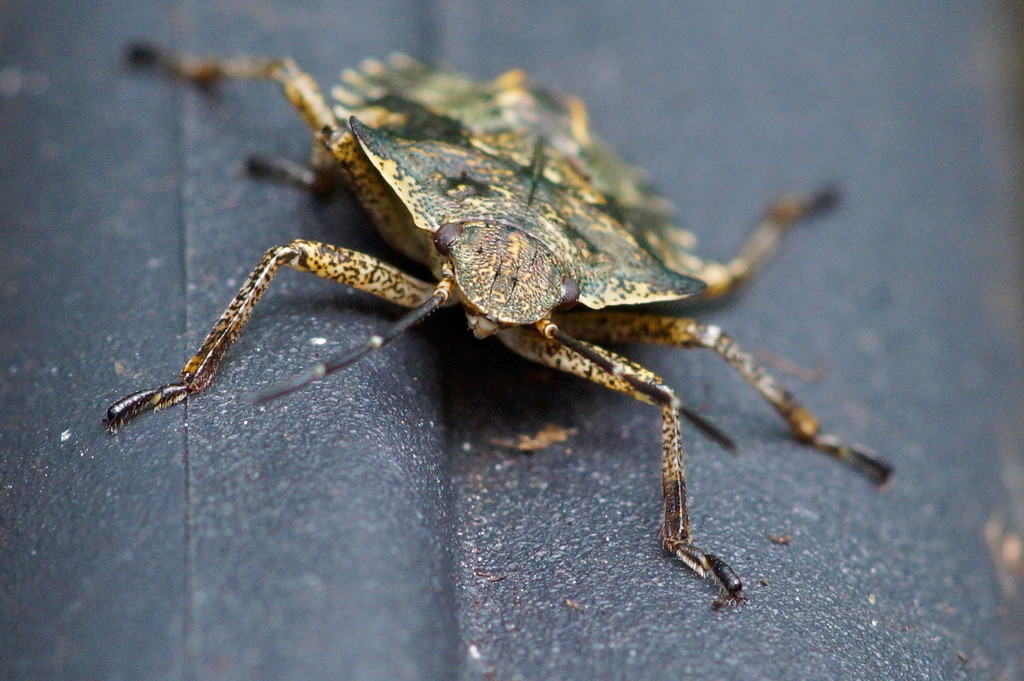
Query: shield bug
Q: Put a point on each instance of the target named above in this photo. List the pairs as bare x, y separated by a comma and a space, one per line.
525, 219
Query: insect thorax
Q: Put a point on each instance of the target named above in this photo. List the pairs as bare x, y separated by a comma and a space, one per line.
505, 275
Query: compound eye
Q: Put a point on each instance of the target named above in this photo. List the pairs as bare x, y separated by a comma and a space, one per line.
570, 294
445, 237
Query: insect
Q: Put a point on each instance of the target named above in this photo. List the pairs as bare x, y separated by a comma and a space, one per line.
521, 214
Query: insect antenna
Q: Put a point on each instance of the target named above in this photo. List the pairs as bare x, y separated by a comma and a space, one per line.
657, 393
375, 342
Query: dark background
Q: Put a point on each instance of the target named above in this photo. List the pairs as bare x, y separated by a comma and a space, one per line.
368, 527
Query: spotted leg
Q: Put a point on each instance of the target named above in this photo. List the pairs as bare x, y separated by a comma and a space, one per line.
302, 91
299, 87
554, 348
624, 327
724, 278
352, 268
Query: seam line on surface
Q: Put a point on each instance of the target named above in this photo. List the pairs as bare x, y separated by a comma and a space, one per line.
182, 98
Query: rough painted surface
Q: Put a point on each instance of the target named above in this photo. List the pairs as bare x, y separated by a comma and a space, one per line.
231, 542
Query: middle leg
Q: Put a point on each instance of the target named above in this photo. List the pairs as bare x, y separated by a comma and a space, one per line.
625, 327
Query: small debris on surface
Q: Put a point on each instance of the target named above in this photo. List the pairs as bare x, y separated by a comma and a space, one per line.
545, 437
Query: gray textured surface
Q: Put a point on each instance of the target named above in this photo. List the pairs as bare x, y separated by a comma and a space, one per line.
368, 528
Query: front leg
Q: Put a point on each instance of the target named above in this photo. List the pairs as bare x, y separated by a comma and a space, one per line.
352, 268
554, 348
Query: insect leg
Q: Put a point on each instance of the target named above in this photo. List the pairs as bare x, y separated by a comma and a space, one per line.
319, 178
723, 278
623, 327
300, 88
554, 348
352, 268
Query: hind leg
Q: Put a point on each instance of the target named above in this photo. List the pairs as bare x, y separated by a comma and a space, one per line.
320, 177
723, 278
